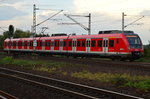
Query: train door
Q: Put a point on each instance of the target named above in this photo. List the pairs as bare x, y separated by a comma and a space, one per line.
113, 46
56, 45
61, 45
81, 45
25, 44
105, 45
117, 46
69, 45
47, 44
88, 45
74, 45
14, 44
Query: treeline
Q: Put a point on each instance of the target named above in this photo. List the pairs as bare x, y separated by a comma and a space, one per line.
147, 50
18, 33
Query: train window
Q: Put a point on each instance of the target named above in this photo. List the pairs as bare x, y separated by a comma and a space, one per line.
61, 43
78, 43
65, 43
25, 43
87, 43
83, 43
93, 43
52, 43
40, 43
22, 44
70, 43
47, 44
105, 43
57, 44
74, 43
31, 43
14, 43
19, 43
43, 43
111, 43
99, 43
9, 43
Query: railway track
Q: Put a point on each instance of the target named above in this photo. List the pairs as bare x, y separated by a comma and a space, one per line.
68, 88
4, 95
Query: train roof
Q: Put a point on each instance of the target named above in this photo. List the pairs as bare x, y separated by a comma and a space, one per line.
116, 31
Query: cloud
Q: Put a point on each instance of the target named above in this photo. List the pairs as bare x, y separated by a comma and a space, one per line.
145, 12
111, 6
9, 1
8, 12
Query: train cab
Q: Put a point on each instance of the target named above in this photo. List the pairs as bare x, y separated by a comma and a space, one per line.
135, 45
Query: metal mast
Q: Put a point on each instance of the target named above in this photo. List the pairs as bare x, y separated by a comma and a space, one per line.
89, 29
34, 20
123, 21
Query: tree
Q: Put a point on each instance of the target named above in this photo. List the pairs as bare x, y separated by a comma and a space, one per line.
1, 41
21, 34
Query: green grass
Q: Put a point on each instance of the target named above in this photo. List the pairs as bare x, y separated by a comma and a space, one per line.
144, 59
124, 80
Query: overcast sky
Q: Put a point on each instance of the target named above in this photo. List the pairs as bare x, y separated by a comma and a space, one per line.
106, 15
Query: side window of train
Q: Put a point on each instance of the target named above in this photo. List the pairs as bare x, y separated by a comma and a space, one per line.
52, 43
55, 43
25, 43
61, 43
40, 43
83, 43
74, 43
93, 43
70, 43
111, 43
78, 44
88, 43
99, 43
31, 43
64, 44
58, 43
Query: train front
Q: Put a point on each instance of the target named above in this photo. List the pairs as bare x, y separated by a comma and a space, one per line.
135, 46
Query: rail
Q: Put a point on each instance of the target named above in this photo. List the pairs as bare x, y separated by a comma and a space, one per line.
73, 89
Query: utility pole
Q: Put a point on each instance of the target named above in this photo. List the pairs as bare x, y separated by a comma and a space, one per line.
123, 21
89, 29
34, 19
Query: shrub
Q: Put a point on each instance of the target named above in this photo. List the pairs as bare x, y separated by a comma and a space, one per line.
147, 52
7, 60
119, 79
144, 84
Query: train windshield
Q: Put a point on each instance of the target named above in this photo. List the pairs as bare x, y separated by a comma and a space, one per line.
134, 42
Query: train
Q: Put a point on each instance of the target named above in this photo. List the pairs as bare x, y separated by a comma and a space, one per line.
113, 44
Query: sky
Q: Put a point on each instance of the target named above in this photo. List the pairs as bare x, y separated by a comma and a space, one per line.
105, 15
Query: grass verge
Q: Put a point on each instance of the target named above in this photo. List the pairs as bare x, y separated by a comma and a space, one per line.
122, 80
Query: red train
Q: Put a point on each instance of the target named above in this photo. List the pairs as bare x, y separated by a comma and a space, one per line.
113, 44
